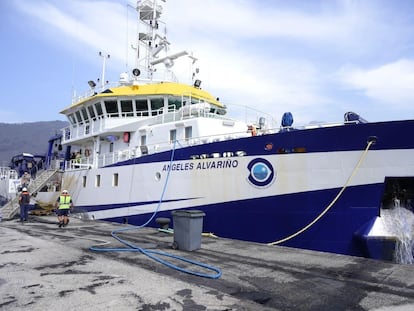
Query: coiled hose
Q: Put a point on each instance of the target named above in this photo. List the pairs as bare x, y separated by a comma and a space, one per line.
154, 254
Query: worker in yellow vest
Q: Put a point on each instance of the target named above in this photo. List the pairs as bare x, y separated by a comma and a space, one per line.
64, 204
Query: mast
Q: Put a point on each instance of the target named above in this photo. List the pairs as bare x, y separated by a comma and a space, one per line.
153, 41
105, 57
149, 13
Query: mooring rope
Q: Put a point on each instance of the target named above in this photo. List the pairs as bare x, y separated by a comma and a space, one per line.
370, 142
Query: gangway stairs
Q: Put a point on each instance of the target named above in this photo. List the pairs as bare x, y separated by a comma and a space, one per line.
9, 210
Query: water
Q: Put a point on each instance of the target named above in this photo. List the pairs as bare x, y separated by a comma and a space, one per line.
404, 227
397, 222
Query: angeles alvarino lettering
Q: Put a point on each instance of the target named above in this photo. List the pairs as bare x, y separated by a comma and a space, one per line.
179, 166
205, 165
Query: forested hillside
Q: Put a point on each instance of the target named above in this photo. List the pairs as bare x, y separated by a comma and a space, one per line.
26, 137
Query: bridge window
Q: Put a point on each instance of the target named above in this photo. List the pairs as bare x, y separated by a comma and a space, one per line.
111, 107
98, 108
141, 107
156, 106
126, 108
174, 101
78, 117
92, 112
72, 119
84, 114
195, 100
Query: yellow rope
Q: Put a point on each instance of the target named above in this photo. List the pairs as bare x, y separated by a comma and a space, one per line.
369, 143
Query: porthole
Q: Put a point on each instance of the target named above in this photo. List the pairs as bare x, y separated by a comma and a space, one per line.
157, 176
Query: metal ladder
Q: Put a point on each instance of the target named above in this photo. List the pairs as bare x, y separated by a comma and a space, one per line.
9, 210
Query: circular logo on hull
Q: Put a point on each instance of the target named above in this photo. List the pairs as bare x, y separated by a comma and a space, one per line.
261, 171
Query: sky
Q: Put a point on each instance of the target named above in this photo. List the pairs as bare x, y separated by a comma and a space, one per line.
315, 58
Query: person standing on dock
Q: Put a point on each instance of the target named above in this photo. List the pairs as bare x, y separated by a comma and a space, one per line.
64, 204
24, 201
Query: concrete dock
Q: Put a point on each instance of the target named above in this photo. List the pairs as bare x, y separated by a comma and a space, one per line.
43, 267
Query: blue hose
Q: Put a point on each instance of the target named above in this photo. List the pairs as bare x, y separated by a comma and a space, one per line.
152, 253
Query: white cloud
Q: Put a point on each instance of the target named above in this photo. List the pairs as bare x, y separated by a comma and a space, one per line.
79, 24
391, 83
275, 56
258, 19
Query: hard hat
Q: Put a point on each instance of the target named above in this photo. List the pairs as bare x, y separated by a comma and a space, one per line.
64, 191
24, 189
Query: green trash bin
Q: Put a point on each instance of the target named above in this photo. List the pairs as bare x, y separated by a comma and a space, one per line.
188, 228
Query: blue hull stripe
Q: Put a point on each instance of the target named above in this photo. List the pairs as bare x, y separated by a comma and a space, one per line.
270, 219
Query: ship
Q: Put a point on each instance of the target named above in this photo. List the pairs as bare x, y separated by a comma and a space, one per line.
150, 144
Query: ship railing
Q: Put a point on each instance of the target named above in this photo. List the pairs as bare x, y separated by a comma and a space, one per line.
102, 159
78, 131
110, 158
316, 125
8, 173
251, 115
80, 163
158, 76
96, 127
92, 91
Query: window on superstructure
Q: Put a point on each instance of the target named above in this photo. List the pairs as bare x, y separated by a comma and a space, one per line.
143, 140
72, 119
126, 108
141, 107
111, 147
157, 105
97, 180
78, 117
98, 108
92, 112
84, 114
111, 107
174, 103
115, 180
195, 101
84, 181
188, 132
173, 135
